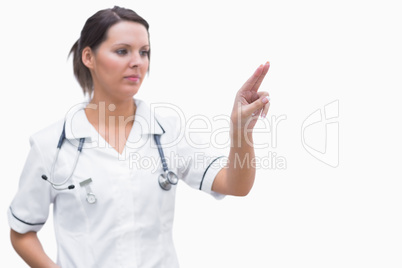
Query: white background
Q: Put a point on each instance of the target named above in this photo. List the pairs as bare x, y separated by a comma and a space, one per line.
307, 215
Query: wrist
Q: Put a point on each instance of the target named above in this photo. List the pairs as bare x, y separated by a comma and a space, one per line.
241, 137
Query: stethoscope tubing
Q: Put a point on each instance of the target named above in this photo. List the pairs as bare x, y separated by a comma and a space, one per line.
169, 175
165, 179
51, 175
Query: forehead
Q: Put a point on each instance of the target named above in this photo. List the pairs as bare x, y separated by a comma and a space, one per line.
128, 32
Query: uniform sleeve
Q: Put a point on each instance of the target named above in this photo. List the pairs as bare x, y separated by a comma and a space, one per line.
29, 209
200, 163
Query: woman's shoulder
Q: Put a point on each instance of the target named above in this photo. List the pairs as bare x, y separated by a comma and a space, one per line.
48, 134
52, 132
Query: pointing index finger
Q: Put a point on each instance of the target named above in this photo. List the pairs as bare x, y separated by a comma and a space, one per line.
262, 76
254, 82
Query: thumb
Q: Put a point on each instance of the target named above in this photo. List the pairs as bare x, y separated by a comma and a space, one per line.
256, 105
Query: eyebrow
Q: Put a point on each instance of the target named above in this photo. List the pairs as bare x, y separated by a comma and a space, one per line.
128, 45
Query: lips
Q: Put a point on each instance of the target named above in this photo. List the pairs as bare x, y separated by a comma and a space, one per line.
132, 78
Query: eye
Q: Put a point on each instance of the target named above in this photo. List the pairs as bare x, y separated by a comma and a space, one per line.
144, 53
121, 51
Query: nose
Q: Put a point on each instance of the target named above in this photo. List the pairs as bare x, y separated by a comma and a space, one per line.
136, 60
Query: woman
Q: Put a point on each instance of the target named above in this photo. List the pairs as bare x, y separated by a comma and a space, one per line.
107, 212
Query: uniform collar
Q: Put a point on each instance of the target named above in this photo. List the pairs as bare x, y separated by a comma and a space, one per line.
77, 125
147, 120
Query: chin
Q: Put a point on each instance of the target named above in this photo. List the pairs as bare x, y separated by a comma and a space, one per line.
129, 94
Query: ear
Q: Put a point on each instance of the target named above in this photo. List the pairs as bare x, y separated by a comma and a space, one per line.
88, 57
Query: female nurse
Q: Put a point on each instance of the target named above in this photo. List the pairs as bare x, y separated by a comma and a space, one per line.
109, 211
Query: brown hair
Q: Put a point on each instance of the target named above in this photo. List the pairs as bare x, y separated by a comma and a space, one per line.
93, 34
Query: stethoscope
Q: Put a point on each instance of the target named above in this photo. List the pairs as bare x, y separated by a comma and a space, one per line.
165, 179
168, 178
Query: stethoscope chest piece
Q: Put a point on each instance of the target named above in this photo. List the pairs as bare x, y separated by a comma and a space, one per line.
168, 177
164, 183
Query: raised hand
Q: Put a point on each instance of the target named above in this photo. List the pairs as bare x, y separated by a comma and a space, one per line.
249, 102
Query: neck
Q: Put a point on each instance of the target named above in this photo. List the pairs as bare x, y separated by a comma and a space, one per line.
105, 113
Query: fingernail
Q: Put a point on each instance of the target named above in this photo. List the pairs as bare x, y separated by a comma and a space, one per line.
268, 63
263, 115
265, 100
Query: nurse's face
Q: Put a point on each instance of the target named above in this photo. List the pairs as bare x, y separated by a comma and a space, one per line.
118, 66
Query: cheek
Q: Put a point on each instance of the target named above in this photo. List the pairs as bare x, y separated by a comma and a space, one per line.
145, 66
110, 65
